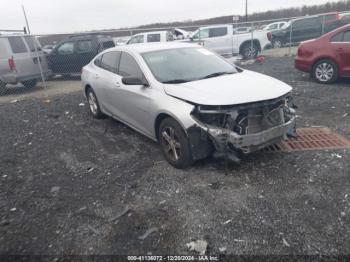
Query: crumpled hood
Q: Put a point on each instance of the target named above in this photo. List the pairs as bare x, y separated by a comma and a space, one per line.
238, 88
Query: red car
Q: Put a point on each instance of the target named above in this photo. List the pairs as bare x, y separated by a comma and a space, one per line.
327, 57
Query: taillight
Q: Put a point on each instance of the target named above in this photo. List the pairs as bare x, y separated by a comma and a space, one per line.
269, 36
12, 64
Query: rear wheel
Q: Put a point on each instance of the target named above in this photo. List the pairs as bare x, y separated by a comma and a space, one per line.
174, 143
249, 51
93, 104
325, 71
277, 43
30, 83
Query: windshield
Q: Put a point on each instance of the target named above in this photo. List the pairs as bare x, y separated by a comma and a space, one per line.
186, 64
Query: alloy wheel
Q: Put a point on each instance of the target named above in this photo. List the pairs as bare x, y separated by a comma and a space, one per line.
324, 72
172, 145
93, 103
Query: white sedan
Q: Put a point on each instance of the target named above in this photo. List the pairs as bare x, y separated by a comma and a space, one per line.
189, 99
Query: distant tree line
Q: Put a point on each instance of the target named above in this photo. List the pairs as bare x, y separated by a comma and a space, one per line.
269, 15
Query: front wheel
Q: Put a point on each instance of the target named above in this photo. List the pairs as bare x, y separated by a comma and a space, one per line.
174, 143
249, 51
30, 83
325, 71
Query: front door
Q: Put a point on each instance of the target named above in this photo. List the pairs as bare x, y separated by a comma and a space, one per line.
63, 58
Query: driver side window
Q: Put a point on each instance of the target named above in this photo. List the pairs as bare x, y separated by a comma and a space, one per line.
136, 39
204, 33
66, 48
129, 67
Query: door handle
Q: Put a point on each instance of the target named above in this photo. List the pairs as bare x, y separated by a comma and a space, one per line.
117, 84
97, 76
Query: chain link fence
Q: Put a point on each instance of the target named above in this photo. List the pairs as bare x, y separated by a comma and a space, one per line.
40, 63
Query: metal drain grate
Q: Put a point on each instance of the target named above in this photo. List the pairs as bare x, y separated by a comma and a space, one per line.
311, 139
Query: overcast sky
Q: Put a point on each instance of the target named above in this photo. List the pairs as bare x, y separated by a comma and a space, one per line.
65, 16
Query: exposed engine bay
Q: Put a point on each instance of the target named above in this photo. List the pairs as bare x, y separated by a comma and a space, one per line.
247, 127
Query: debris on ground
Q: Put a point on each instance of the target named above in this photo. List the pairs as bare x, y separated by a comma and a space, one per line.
148, 232
227, 222
336, 155
124, 212
285, 242
55, 189
248, 62
199, 246
14, 101
222, 249
13, 209
81, 104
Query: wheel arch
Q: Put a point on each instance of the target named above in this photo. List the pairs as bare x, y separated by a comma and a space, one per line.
318, 59
160, 117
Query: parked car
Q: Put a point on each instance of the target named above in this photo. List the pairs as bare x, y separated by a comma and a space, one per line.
73, 53
327, 57
151, 37
223, 40
189, 99
19, 58
242, 30
301, 29
274, 26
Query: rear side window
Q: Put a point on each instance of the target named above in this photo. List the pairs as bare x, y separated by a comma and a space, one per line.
216, 32
346, 37
17, 45
129, 67
97, 61
32, 45
84, 46
110, 61
337, 38
153, 38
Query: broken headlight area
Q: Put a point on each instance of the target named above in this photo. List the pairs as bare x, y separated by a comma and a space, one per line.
246, 127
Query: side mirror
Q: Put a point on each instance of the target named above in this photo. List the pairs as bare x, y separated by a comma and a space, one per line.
135, 81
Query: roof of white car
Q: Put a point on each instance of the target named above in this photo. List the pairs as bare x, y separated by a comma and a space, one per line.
149, 47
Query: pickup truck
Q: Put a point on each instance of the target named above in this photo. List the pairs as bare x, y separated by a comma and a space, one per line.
223, 40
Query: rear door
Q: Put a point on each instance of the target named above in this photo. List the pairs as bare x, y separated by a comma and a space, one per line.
107, 81
36, 53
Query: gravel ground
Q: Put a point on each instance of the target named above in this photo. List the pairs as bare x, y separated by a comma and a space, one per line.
70, 184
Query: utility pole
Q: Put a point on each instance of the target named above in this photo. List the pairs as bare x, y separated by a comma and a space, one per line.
246, 10
25, 17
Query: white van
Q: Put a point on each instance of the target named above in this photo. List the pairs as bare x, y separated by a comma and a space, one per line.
19, 60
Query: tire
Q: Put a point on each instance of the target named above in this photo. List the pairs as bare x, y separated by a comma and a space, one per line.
247, 52
174, 144
30, 83
94, 105
325, 71
277, 43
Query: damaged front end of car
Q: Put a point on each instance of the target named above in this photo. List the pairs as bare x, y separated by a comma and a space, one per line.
232, 130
